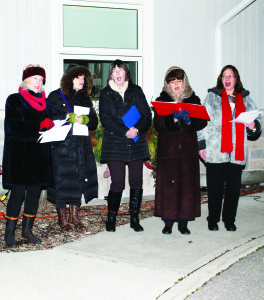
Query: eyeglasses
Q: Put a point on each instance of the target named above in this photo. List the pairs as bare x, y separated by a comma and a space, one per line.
118, 70
228, 76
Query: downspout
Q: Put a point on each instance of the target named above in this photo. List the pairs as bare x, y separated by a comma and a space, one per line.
218, 32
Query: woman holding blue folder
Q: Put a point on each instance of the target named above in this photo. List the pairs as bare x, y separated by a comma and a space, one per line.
126, 117
177, 197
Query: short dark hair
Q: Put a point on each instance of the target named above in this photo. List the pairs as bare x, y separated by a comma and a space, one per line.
120, 64
175, 74
238, 85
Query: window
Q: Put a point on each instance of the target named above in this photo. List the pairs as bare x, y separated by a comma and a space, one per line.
99, 70
100, 27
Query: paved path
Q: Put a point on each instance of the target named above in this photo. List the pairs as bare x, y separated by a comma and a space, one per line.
126, 265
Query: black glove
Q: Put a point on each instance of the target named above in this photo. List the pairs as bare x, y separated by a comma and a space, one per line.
182, 115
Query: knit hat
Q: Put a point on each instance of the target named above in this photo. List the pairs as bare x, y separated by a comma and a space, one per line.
31, 71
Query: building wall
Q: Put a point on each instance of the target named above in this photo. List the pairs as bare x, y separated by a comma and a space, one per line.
174, 32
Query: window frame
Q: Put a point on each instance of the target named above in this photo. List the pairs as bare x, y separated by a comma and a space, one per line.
100, 51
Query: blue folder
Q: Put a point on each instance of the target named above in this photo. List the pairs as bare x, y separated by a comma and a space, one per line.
130, 118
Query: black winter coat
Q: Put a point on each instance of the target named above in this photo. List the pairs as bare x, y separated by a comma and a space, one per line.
74, 167
25, 162
115, 145
177, 194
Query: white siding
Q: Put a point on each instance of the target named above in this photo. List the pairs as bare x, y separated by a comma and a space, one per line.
25, 39
174, 32
185, 36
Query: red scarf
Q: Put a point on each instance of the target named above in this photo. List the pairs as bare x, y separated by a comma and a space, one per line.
226, 144
37, 103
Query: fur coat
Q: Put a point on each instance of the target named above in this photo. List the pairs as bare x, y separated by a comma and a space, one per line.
177, 195
25, 161
211, 136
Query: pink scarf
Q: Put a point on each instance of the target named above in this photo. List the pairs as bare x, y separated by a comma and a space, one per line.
37, 103
226, 143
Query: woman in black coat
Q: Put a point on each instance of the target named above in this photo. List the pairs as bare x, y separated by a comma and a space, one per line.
26, 163
119, 145
73, 162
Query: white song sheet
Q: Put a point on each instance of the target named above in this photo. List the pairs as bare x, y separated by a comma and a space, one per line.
56, 133
247, 117
80, 129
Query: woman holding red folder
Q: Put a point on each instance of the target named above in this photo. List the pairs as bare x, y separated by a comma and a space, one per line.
222, 145
120, 146
177, 196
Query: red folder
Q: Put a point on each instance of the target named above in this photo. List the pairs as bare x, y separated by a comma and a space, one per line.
167, 108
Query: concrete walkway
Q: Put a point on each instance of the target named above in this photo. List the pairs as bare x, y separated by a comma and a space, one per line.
134, 266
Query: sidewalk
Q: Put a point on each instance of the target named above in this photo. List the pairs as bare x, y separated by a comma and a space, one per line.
126, 265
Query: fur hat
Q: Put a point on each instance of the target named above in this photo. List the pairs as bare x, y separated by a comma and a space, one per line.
187, 90
66, 84
32, 70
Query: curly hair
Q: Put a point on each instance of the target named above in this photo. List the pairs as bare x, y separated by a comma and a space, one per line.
238, 85
74, 72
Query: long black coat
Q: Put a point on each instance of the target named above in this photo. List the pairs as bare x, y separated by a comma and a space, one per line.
115, 145
177, 194
25, 162
74, 167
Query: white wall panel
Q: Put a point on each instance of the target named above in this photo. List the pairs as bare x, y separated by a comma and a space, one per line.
185, 36
242, 43
25, 39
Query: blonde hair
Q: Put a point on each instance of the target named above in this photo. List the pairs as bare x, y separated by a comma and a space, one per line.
24, 84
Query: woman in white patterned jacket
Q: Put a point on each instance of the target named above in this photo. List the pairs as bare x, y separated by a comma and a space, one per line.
223, 144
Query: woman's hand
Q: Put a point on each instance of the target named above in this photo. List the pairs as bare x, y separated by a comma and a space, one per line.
131, 133
202, 154
78, 120
251, 125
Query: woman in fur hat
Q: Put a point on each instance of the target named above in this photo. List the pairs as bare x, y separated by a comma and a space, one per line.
223, 145
26, 163
177, 197
119, 146
74, 167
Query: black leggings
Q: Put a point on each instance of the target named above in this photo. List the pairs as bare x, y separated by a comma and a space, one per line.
118, 174
19, 193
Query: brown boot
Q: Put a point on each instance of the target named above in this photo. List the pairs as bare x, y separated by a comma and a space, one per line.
62, 219
74, 218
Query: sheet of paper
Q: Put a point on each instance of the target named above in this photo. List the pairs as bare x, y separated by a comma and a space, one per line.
247, 117
56, 133
80, 129
80, 110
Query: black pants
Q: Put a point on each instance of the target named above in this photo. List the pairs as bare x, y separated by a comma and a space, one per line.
217, 175
118, 174
19, 193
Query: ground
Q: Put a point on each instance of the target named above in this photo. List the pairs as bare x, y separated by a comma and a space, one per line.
46, 224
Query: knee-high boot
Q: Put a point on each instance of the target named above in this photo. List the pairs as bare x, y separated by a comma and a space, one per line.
134, 208
10, 240
113, 200
27, 225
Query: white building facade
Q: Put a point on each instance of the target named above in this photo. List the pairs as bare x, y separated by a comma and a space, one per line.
200, 36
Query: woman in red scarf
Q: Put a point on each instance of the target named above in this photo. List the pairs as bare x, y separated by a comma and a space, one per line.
223, 145
26, 163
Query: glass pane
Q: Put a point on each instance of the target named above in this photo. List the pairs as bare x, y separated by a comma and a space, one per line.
100, 27
100, 69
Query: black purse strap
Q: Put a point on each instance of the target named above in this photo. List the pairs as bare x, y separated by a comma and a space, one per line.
67, 103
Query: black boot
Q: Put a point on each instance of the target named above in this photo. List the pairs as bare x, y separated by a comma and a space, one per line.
113, 200
27, 225
10, 240
134, 208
